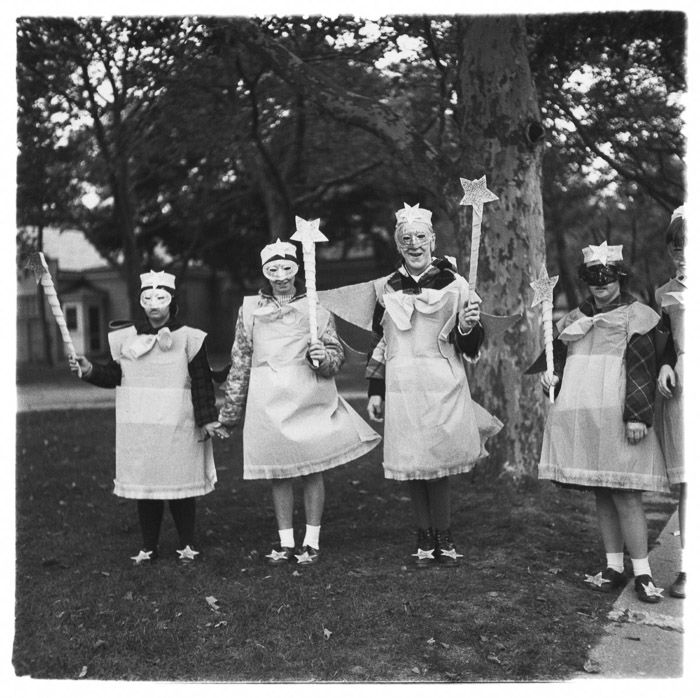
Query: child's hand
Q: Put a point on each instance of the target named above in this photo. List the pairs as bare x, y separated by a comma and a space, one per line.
317, 352
79, 365
468, 317
635, 432
548, 381
375, 408
216, 429
666, 381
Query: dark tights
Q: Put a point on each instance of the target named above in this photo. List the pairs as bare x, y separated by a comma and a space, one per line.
431, 502
151, 515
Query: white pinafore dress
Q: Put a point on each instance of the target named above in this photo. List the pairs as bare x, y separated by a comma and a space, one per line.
584, 438
671, 298
295, 421
160, 451
433, 428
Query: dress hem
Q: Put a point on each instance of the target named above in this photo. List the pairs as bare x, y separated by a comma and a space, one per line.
135, 492
612, 481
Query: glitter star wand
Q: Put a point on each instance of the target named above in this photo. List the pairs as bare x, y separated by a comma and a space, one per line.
37, 263
544, 292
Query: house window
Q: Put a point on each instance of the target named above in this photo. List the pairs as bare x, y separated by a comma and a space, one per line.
94, 328
71, 313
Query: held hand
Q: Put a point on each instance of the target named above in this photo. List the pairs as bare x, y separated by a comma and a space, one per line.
666, 381
375, 408
469, 316
213, 429
79, 365
317, 352
635, 432
548, 381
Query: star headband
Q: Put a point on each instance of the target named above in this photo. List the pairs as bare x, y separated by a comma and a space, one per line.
157, 279
413, 214
602, 254
278, 250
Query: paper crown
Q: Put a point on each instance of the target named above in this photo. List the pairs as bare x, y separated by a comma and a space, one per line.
411, 214
602, 254
678, 213
278, 250
157, 279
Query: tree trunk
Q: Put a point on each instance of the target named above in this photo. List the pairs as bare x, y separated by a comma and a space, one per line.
501, 135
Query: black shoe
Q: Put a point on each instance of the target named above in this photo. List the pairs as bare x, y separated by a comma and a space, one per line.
445, 551
425, 555
307, 555
646, 591
606, 581
143, 557
677, 589
280, 556
187, 555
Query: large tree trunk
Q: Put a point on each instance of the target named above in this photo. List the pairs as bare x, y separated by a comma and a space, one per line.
501, 134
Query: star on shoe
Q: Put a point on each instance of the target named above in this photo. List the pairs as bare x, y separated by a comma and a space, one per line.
277, 555
187, 553
424, 554
651, 590
143, 556
304, 557
450, 553
596, 580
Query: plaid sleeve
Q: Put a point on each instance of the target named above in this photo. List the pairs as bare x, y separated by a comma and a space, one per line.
236, 385
640, 363
107, 375
335, 354
203, 398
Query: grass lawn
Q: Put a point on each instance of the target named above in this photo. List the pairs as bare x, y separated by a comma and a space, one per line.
515, 610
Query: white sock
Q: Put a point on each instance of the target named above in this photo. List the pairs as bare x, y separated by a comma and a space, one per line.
312, 536
615, 561
641, 566
286, 537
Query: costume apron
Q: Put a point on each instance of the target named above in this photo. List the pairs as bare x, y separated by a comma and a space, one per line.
670, 297
295, 421
160, 451
432, 426
584, 439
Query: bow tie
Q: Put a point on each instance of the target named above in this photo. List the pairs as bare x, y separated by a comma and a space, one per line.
583, 325
400, 306
143, 343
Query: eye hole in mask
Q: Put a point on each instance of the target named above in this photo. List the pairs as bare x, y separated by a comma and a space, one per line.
600, 275
280, 271
155, 298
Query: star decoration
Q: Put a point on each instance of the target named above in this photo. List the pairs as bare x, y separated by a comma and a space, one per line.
277, 555
187, 553
424, 554
411, 213
304, 557
543, 286
308, 231
651, 590
279, 248
476, 193
450, 553
36, 262
602, 254
596, 581
143, 556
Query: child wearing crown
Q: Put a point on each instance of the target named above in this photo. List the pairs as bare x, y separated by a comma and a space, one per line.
599, 434
165, 411
296, 425
671, 299
424, 325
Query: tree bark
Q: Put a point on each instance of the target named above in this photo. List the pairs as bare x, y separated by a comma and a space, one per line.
501, 135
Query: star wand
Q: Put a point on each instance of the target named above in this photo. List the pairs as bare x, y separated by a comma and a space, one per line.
37, 263
544, 292
308, 234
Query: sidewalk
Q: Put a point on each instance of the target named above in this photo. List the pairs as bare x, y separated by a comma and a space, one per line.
644, 640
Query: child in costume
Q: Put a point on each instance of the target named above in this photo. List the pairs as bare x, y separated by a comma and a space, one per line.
296, 425
670, 298
165, 411
598, 434
424, 326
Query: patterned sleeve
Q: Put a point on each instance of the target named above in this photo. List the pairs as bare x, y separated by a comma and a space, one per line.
669, 355
335, 354
202, 388
640, 389
107, 375
236, 385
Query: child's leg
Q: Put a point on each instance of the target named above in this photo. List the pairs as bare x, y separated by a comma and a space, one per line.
633, 523
314, 500
150, 512
283, 502
183, 513
439, 502
609, 522
418, 491
682, 499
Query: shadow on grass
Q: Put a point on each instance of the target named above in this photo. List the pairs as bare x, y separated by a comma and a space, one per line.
515, 610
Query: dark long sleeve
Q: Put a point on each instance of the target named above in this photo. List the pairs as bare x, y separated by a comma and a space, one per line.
470, 343
107, 375
669, 355
203, 398
640, 387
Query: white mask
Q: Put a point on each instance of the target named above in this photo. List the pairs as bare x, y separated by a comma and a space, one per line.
155, 298
280, 270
